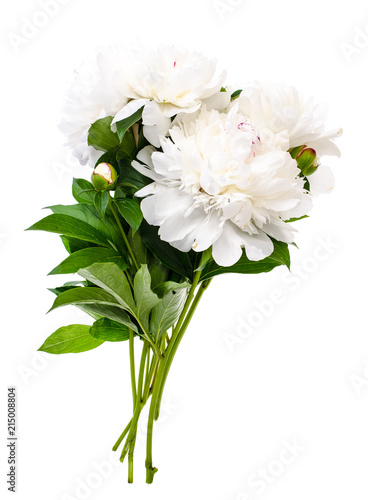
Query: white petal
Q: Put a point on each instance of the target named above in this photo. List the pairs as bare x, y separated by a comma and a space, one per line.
281, 231
146, 171
177, 226
305, 206
156, 124
153, 188
257, 246
219, 101
129, 109
322, 181
227, 249
207, 233
164, 165
145, 155
148, 206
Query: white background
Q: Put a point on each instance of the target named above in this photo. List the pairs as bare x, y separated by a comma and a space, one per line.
302, 373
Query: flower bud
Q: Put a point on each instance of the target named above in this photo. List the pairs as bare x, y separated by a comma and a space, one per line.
306, 159
104, 177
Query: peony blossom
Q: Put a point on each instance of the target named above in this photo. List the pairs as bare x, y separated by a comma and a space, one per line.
216, 183
166, 82
80, 110
286, 119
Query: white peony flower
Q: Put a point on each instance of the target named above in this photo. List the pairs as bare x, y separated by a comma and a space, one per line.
80, 110
166, 81
216, 184
286, 120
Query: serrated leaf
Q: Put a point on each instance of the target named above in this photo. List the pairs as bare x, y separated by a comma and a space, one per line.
110, 331
131, 212
85, 258
100, 135
167, 311
70, 339
70, 226
145, 299
83, 191
112, 279
123, 125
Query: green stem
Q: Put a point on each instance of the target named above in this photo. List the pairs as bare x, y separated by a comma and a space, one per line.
165, 365
118, 222
124, 433
130, 442
145, 397
132, 366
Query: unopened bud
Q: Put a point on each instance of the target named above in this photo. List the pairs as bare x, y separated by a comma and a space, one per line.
306, 159
104, 177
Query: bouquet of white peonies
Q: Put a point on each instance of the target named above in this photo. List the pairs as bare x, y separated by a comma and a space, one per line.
190, 180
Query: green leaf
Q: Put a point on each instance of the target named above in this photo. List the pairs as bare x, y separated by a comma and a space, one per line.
85, 295
70, 226
96, 310
72, 245
129, 175
83, 191
100, 135
131, 212
206, 256
128, 147
172, 258
72, 338
89, 214
138, 248
145, 299
114, 313
101, 202
159, 273
86, 257
107, 330
67, 286
280, 256
124, 125
236, 94
112, 279
295, 219
109, 157
167, 311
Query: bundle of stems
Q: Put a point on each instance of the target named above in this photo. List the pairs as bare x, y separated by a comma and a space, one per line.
156, 360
